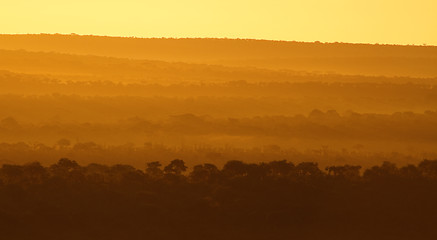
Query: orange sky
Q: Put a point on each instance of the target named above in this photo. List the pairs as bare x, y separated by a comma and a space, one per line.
368, 21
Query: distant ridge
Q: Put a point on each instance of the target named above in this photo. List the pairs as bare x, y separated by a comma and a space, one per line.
210, 38
233, 47
344, 58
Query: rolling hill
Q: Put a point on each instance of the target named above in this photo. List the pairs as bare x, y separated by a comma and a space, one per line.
341, 58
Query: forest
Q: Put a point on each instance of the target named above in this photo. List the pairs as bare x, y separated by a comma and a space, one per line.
269, 200
140, 109
161, 138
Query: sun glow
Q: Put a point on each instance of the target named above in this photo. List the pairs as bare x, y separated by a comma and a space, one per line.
372, 21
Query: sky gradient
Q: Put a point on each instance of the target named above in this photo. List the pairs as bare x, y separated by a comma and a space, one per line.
370, 21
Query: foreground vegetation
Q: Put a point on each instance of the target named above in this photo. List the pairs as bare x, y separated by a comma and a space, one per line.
275, 200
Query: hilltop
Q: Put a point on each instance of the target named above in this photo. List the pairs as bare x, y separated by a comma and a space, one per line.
342, 58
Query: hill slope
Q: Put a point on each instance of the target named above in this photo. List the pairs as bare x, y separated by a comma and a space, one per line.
389, 60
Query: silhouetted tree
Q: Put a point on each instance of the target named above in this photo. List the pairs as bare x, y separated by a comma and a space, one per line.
346, 172
279, 168
12, 174
410, 172
428, 168
126, 174
97, 173
35, 173
176, 167
206, 173
154, 170
67, 169
308, 169
235, 168
386, 170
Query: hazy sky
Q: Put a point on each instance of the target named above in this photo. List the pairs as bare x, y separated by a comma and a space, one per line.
369, 21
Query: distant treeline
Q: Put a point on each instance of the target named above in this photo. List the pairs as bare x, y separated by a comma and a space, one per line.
274, 200
239, 82
329, 125
365, 59
138, 155
323, 136
69, 108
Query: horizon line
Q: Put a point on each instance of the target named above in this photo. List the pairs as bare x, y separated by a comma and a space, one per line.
222, 38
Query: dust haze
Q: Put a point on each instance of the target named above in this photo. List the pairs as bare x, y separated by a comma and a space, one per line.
133, 138
205, 99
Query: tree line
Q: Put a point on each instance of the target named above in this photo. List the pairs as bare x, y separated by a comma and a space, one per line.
271, 200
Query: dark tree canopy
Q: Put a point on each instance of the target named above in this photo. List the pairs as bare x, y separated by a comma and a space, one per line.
272, 200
